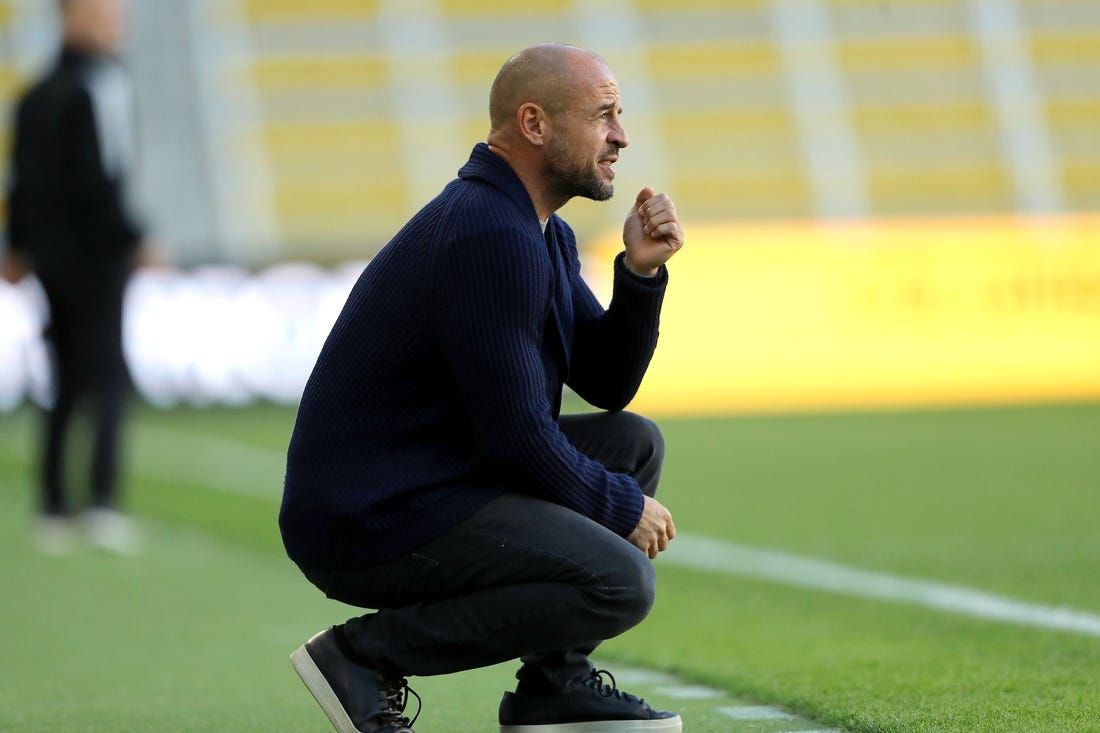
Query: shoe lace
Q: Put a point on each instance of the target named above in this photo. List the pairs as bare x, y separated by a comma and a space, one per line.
595, 679
395, 698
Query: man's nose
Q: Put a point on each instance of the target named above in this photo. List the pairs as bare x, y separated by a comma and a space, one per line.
618, 136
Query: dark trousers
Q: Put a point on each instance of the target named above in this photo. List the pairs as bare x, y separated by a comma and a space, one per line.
522, 578
89, 376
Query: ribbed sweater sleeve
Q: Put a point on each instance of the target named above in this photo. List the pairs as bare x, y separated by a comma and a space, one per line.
491, 308
612, 348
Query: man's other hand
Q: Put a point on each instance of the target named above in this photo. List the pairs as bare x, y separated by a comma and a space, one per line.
655, 529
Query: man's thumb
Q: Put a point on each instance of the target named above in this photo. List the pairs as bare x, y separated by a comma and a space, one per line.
644, 195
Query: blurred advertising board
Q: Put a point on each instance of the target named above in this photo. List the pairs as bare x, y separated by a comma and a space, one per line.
793, 316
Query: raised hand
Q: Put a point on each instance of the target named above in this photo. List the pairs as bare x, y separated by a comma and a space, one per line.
652, 232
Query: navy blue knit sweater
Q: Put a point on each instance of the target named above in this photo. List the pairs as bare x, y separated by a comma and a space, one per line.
440, 383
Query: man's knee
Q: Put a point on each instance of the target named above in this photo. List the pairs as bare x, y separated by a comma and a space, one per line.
650, 438
628, 591
649, 446
639, 430
645, 588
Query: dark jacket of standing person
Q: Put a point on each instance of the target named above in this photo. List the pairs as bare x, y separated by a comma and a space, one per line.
73, 147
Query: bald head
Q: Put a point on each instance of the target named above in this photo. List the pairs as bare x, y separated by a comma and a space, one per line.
555, 119
543, 74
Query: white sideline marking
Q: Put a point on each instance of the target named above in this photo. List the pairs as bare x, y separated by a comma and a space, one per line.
634, 676
727, 558
675, 688
689, 692
755, 712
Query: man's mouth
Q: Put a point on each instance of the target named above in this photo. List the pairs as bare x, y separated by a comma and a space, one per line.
607, 163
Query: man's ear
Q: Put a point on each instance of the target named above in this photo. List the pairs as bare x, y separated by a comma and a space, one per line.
532, 122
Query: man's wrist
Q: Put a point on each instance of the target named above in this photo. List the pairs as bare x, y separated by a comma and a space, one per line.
640, 272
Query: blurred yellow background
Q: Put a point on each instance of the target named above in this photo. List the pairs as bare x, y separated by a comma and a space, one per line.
890, 314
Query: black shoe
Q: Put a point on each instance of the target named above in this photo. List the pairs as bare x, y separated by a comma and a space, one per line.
585, 706
355, 697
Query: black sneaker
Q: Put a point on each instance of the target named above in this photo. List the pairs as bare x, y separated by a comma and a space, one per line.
585, 706
355, 697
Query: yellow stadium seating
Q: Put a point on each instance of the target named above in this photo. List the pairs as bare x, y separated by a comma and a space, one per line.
912, 94
294, 11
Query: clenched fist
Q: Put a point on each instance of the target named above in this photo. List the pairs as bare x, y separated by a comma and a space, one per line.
652, 232
655, 529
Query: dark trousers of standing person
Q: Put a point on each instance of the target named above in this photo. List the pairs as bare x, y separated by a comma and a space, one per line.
88, 371
522, 578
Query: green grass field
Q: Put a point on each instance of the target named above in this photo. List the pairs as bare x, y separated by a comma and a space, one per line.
194, 634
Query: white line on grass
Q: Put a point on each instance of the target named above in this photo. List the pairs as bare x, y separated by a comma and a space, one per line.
755, 712
670, 686
689, 692
727, 558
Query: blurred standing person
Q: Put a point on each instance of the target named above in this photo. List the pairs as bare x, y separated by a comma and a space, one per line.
69, 223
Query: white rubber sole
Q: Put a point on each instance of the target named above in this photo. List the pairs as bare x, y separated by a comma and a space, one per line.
321, 690
664, 725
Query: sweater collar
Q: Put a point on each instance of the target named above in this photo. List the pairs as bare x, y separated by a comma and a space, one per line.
485, 165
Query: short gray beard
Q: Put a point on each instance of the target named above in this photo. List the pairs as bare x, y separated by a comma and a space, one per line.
578, 180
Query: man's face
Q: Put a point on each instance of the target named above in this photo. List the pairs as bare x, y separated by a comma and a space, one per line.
587, 137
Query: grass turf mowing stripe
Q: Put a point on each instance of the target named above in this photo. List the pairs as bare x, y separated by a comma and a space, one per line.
716, 556
163, 453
